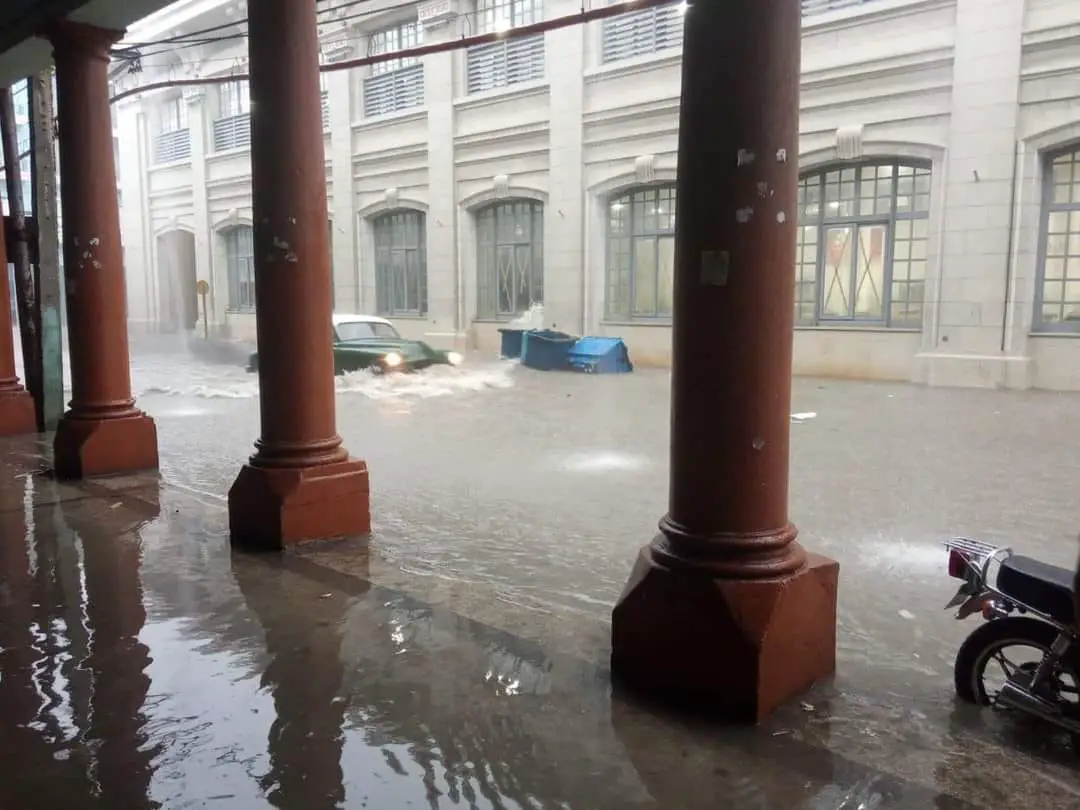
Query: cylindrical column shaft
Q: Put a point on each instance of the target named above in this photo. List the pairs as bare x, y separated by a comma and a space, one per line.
8, 381
735, 242
102, 432
292, 257
17, 415
300, 484
93, 257
724, 612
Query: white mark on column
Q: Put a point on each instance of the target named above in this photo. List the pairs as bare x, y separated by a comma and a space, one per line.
743, 215
97, 264
758, 443
744, 157
94, 241
75, 241
292, 220
781, 155
762, 189
781, 217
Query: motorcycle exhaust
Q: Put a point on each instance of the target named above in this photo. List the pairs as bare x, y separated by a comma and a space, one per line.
1017, 697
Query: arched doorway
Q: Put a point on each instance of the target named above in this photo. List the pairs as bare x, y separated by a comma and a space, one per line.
178, 304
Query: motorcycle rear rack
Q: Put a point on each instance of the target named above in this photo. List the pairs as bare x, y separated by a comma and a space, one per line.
976, 548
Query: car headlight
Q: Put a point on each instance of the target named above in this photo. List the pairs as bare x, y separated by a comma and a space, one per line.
393, 360
454, 358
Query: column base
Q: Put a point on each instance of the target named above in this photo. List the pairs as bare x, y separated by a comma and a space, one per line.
86, 446
274, 508
17, 414
733, 649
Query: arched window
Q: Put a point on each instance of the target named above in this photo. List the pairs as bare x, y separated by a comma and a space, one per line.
862, 244
240, 264
1057, 293
641, 254
510, 258
400, 263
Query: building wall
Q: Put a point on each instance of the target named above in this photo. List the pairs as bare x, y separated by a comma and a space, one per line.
983, 90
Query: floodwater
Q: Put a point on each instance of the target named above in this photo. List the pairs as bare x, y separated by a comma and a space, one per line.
459, 658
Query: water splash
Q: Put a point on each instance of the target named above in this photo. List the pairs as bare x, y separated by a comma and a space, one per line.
201, 382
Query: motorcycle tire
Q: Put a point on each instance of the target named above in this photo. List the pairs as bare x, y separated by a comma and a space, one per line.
1021, 629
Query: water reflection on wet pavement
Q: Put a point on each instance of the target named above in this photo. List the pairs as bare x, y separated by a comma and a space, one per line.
459, 660
144, 665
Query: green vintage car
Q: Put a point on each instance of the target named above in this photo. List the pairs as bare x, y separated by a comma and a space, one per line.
370, 342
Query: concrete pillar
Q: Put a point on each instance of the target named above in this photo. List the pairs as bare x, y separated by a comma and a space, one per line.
565, 267
966, 340
724, 610
445, 307
343, 205
102, 432
300, 484
16, 405
197, 126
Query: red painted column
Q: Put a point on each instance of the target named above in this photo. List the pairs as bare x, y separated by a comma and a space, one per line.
16, 405
724, 610
102, 432
301, 483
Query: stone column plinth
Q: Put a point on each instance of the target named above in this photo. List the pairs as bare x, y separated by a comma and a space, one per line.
724, 611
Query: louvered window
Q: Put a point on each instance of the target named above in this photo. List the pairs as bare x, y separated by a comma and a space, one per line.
642, 32
508, 62
398, 83
173, 141
233, 129
172, 146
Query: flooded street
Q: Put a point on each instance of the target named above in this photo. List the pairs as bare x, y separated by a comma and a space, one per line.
460, 658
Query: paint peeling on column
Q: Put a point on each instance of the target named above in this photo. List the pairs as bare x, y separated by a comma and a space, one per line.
758, 443
781, 155
283, 248
743, 215
94, 241
781, 217
744, 157
762, 189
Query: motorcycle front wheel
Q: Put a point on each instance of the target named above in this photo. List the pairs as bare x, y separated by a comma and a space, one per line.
988, 644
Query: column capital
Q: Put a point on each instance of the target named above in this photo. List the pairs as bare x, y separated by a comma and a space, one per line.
69, 38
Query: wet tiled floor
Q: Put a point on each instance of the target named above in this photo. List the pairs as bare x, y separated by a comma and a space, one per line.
143, 664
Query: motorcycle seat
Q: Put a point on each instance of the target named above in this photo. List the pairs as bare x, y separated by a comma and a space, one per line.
1043, 587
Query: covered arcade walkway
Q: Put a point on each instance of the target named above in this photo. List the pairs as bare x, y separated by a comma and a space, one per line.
724, 609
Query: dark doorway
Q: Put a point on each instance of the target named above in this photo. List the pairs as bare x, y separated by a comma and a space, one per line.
178, 304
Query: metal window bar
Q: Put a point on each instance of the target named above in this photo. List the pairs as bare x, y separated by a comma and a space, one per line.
240, 263
400, 264
641, 32
504, 64
170, 147
391, 92
510, 259
233, 132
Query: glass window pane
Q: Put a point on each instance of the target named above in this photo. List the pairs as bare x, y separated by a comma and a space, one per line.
836, 293
665, 303
645, 276
870, 272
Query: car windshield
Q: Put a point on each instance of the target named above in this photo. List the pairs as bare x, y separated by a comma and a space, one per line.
364, 330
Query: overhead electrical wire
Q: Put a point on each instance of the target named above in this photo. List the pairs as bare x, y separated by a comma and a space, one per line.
225, 26
565, 21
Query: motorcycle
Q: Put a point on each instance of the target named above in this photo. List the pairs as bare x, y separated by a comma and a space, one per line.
1026, 603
